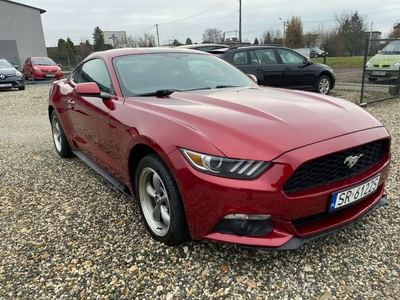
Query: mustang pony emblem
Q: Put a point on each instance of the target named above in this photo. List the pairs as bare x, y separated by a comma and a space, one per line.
352, 160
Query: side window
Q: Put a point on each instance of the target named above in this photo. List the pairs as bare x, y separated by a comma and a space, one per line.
266, 56
290, 57
240, 58
253, 58
94, 70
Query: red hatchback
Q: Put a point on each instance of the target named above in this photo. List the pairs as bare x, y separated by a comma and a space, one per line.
209, 154
39, 68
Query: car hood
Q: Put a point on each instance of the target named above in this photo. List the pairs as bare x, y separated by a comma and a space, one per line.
47, 68
385, 59
255, 122
8, 71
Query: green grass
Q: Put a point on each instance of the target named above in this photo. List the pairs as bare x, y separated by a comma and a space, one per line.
348, 61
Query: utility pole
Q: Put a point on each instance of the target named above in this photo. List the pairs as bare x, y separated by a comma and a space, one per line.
284, 29
158, 37
240, 22
370, 37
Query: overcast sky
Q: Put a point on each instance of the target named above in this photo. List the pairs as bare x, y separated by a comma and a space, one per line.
180, 19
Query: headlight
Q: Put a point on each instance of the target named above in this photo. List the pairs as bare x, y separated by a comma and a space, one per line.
368, 64
225, 167
18, 73
36, 69
395, 66
59, 69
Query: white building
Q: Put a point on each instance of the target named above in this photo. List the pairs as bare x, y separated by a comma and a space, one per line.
21, 32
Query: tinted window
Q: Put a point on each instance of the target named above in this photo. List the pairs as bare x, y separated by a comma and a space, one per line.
265, 56
290, 57
94, 70
240, 58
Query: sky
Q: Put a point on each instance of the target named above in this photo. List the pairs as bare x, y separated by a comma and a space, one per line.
182, 19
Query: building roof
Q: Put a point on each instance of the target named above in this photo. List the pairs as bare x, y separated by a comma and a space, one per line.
42, 11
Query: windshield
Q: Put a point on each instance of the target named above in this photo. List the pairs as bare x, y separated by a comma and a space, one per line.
148, 73
392, 48
5, 64
43, 61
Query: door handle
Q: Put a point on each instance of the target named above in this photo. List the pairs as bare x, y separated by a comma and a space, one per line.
288, 69
259, 70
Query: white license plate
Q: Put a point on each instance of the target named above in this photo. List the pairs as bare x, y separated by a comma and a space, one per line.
50, 75
379, 73
5, 85
361, 191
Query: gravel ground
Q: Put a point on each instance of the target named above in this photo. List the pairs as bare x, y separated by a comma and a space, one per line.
66, 233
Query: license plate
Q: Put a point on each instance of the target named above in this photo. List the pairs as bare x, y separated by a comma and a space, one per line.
361, 191
50, 75
5, 85
379, 73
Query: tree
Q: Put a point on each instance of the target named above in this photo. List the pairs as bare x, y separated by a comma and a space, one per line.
147, 40
71, 45
256, 42
176, 43
266, 38
188, 41
84, 49
395, 34
212, 35
351, 29
98, 40
294, 33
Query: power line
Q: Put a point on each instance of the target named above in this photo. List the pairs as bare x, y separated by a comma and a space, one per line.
199, 13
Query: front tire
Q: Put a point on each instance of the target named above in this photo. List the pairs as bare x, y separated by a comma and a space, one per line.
323, 85
160, 202
59, 138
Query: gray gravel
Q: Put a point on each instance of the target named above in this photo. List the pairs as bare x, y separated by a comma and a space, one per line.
66, 233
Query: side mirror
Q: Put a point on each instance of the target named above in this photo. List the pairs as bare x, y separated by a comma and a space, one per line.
17, 67
252, 77
91, 89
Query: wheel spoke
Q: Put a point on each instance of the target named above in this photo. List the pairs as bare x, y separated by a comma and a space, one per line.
156, 183
157, 213
150, 190
165, 216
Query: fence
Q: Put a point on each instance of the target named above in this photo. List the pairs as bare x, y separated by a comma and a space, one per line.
382, 68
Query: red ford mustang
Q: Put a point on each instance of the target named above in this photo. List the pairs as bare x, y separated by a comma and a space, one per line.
209, 154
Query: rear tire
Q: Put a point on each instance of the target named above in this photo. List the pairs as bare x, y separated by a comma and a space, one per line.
160, 202
323, 85
59, 138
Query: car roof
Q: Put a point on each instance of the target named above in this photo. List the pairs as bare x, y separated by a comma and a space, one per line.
194, 46
109, 54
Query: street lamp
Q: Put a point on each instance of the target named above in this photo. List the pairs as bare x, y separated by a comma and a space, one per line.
284, 29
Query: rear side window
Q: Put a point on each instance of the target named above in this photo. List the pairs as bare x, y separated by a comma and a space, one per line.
240, 58
266, 56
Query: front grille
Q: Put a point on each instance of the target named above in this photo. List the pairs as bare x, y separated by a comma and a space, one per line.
332, 168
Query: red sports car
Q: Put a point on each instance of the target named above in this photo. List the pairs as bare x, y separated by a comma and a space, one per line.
210, 155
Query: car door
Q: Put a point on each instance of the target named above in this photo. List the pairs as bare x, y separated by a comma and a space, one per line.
266, 65
89, 115
297, 72
241, 61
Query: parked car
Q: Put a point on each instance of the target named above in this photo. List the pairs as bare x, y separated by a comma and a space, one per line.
279, 66
10, 77
209, 154
316, 52
204, 47
39, 68
385, 64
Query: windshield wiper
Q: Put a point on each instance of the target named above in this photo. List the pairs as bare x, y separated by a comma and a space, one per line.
225, 86
167, 92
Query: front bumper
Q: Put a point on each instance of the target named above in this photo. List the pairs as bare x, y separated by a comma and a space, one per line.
208, 199
382, 73
47, 76
11, 82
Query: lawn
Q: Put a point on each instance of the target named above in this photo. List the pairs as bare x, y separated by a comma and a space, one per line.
347, 61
